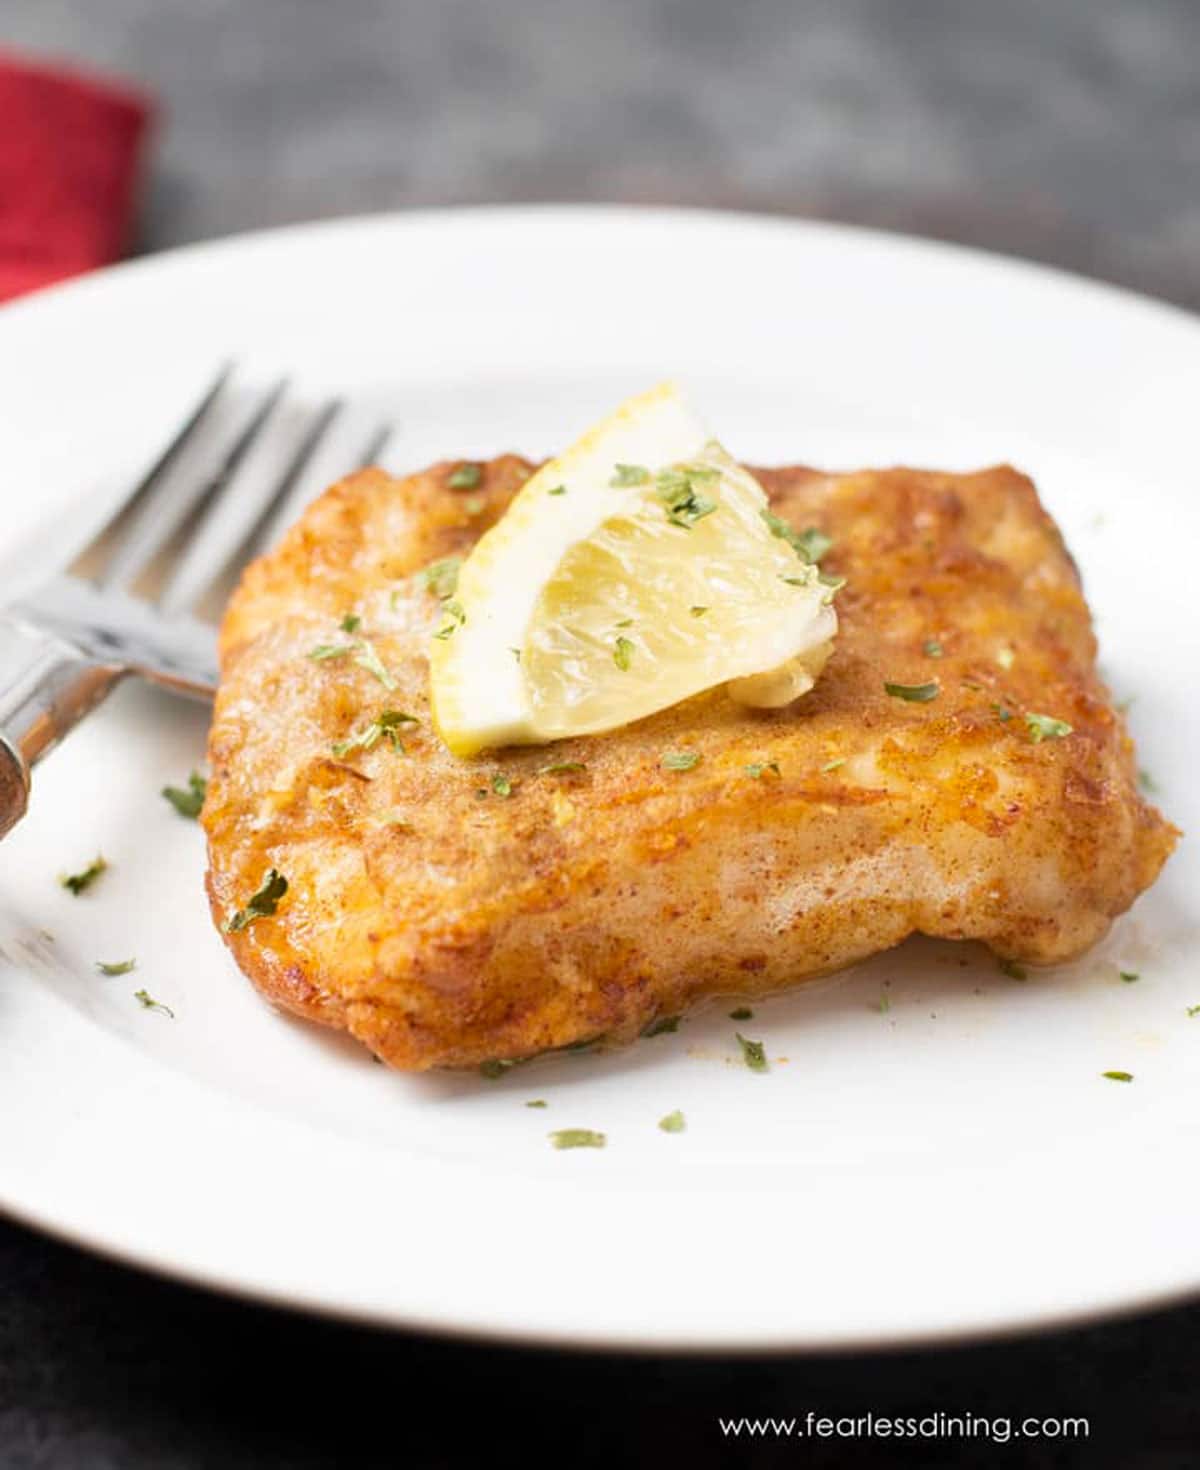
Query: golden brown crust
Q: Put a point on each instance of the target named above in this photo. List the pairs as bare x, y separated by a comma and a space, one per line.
444, 924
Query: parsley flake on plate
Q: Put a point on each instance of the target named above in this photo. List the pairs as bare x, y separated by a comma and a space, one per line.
148, 1003
1118, 1076
350, 623
558, 490
537, 1102
932, 648
116, 967
698, 610
1129, 976
1012, 969
743, 1013
622, 653
673, 1122
501, 784
188, 801
577, 1138
262, 905
495, 1067
78, 883
680, 760
562, 768
754, 1053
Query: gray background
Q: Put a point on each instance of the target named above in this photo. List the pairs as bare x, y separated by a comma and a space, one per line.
1067, 132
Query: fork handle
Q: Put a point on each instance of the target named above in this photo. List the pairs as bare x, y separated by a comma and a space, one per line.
46, 687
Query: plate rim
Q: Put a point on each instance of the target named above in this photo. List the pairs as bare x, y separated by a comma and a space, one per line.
227, 1282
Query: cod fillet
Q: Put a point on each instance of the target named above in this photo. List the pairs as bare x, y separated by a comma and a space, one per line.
450, 912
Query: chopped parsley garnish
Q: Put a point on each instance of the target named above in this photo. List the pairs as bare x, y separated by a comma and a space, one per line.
1002, 714
441, 577
816, 543
798, 581
262, 905
494, 1068
1012, 969
473, 504
932, 648
1146, 781
537, 1102
1046, 727
1193, 1010
577, 1138
351, 623
1129, 976
625, 475
622, 653
759, 770
680, 760
362, 652
698, 611
148, 1003
76, 883
883, 1004
455, 615
661, 1026
914, 693
562, 768
753, 1053
501, 785
685, 505
116, 967
466, 477
743, 1013
187, 802
558, 490
809, 545
366, 658
1119, 1076
385, 727
673, 1122
833, 765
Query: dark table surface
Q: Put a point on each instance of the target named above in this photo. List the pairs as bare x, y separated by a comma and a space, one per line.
1069, 132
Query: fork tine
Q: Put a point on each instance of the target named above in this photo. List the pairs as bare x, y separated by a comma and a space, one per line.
159, 517
216, 546
375, 446
142, 489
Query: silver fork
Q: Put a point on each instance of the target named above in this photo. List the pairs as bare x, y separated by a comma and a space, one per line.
66, 643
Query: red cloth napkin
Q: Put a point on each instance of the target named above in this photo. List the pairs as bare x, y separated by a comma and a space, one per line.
70, 148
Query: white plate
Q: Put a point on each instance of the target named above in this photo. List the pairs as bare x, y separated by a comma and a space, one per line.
953, 1165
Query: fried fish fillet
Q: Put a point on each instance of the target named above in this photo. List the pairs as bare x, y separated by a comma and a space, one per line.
448, 912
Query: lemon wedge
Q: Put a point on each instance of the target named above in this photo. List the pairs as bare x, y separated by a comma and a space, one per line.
636, 569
